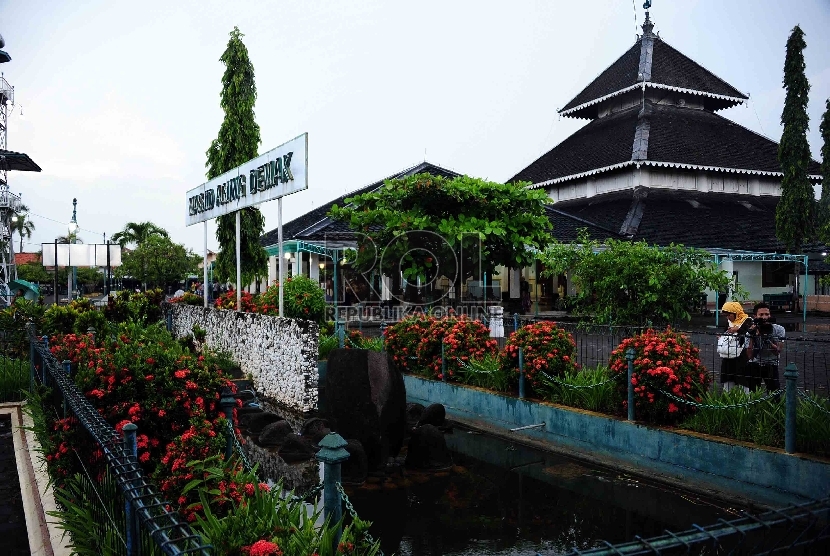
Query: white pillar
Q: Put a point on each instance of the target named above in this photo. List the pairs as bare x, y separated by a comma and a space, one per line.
515, 282
386, 288
728, 266
313, 268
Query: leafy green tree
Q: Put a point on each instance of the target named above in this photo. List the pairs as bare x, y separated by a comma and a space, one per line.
237, 142
137, 233
89, 277
794, 215
22, 225
634, 283
823, 217
34, 273
427, 226
159, 262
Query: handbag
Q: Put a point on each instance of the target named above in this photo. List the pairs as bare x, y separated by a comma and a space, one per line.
730, 346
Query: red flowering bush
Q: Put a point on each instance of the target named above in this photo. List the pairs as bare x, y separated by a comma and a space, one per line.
463, 339
145, 377
546, 348
303, 299
664, 361
401, 339
228, 301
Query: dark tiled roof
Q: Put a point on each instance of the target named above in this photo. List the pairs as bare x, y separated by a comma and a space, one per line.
704, 138
669, 67
566, 226
619, 75
705, 220
677, 135
315, 225
603, 142
10, 160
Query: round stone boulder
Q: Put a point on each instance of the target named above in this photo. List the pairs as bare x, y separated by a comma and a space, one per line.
413, 414
355, 469
315, 429
434, 415
296, 448
274, 434
428, 449
255, 422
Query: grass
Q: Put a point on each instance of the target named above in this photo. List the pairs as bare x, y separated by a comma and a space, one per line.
486, 373
327, 343
590, 389
14, 379
762, 422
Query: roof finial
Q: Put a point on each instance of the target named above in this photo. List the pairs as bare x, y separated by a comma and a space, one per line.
647, 25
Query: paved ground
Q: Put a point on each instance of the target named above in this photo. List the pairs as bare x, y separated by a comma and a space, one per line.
13, 536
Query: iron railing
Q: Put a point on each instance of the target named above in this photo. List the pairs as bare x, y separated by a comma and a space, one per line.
166, 528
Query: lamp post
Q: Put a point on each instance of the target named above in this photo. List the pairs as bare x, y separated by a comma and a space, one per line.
72, 279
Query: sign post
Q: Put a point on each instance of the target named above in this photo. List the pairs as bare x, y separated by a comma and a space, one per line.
273, 175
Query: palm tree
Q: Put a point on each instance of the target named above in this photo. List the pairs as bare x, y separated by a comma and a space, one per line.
24, 227
69, 238
138, 233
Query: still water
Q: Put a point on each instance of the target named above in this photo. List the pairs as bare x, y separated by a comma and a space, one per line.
502, 498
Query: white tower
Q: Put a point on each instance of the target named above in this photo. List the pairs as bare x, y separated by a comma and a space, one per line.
9, 202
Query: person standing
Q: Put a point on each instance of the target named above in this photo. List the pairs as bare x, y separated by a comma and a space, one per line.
764, 348
733, 370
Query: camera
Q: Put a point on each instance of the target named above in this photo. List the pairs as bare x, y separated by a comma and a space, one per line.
763, 326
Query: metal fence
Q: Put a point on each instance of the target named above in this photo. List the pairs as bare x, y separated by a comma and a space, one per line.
148, 526
802, 529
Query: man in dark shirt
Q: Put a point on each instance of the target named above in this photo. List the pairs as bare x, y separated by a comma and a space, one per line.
764, 348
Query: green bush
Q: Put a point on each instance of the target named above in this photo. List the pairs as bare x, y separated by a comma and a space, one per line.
303, 299
591, 389
59, 319
487, 372
142, 307
327, 343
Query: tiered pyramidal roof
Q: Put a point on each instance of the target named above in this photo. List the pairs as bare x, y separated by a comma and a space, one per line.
655, 106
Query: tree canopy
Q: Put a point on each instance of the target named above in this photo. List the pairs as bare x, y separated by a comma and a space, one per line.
237, 142
426, 226
634, 283
794, 215
137, 233
158, 262
823, 216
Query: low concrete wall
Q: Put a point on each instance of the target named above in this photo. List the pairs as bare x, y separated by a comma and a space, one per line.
280, 354
766, 476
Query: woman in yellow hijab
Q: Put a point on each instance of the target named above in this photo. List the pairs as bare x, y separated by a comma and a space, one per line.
733, 371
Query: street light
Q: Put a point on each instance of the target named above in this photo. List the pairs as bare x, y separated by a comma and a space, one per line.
73, 229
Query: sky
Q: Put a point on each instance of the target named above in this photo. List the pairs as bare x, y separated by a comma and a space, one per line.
118, 101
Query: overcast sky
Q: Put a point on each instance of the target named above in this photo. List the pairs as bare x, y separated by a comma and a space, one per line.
120, 100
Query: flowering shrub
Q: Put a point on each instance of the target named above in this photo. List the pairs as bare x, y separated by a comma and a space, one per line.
188, 298
228, 301
145, 377
546, 348
401, 339
663, 362
303, 299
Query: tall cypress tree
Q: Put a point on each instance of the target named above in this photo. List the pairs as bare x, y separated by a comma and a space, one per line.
823, 217
794, 216
238, 142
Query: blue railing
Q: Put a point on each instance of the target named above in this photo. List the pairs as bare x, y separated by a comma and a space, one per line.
146, 510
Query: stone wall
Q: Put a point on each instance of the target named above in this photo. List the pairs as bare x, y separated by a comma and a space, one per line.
280, 354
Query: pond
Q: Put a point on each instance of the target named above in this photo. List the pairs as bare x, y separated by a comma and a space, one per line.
505, 498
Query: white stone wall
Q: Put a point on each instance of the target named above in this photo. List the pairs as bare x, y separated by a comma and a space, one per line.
280, 354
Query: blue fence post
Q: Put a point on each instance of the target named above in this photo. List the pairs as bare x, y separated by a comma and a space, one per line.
30, 329
629, 355
168, 319
515, 322
91, 332
43, 363
227, 403
383, 335
67, 368
130, 522
332, 454
791, 376
521, 374
341, 335
443, 363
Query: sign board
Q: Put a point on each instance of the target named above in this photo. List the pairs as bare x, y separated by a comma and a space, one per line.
81, 254
279, 172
